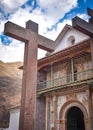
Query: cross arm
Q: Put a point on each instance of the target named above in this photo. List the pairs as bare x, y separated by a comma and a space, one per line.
15, 31
46, 44
90, 12
23, 34
82, 26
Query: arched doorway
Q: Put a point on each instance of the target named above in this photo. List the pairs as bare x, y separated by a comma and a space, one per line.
75, 119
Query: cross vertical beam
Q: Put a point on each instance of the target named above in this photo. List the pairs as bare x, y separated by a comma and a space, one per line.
28, 97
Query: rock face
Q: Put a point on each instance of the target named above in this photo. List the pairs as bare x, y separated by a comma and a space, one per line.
10, 89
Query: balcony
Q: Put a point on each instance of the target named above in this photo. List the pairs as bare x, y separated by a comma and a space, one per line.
71, 78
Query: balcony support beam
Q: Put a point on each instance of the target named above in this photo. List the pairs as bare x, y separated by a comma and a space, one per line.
72, 70
91, 45
52, 77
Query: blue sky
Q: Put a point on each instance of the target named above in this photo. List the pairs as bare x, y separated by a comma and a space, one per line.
51, 15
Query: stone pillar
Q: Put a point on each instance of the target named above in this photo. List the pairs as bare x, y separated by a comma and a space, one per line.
62, 124
47, 114
40, 113
87, 123
51, 115
55, 112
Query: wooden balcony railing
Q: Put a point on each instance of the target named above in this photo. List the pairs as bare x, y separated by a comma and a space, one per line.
71, 78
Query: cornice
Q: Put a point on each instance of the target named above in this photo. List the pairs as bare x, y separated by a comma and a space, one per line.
68, 53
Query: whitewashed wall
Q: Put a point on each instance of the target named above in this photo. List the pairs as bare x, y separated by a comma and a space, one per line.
79, 37
14, 119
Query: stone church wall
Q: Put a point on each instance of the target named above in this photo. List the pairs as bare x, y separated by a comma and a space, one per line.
40, 114
81, 97
64, 102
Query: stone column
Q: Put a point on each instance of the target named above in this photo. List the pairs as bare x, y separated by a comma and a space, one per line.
87, 123
62, 124
48, 113
55, 112
52, 114
40, 113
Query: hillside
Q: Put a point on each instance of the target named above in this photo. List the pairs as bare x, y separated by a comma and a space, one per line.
10, 88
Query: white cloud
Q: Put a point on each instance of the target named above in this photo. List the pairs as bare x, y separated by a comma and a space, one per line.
45, 20
15, 52
56, 9
10, 5
12, 53
55, 32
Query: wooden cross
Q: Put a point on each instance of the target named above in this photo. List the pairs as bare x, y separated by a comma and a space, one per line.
32, 40
90, 13
82, 25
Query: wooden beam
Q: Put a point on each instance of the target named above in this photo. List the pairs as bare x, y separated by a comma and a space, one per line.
23, 35
90, 12
82, 26
32, 26
45, 43
15, 31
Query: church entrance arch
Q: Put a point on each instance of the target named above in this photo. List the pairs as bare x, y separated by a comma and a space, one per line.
67, 113
75, 119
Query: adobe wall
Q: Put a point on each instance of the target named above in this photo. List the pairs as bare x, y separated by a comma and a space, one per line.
40, 114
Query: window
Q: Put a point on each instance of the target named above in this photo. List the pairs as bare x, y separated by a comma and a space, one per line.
71, 40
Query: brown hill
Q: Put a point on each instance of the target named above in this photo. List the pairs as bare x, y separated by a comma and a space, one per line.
10, 88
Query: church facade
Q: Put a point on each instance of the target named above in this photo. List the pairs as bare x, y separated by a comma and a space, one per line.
65, 84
